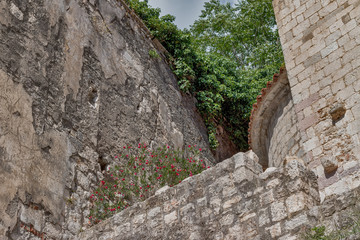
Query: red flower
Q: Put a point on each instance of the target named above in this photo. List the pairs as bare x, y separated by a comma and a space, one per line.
189, 146
200, 149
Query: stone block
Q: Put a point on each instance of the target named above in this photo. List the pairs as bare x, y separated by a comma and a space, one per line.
171, 218
278, 211
152, 213
296, 202
345, 93
311, 10
243, 174
264, 217
307, 102
308, 121
266, 198
274, 230
248, 160
297, 221
233, 201
269, 172
329, 49
227, 219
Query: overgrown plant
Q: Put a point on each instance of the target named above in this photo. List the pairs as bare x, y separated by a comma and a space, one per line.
138, 172
224, 60
350, 231
153, 53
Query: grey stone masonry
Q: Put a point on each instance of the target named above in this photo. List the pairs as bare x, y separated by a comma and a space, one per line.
320, 41
233, 200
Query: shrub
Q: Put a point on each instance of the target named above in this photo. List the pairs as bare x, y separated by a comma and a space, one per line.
137, 173
153, 53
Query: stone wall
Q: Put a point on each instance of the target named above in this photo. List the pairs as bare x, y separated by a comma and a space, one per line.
233, 200
273, 130
321, 46
284, 134
76, 84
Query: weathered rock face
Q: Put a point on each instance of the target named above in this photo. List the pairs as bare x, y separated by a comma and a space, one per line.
76, 84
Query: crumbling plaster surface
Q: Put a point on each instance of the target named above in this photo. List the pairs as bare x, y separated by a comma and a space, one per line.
76, 84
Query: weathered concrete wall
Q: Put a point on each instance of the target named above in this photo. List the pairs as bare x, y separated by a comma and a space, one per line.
321, 46
76, 84
240, 202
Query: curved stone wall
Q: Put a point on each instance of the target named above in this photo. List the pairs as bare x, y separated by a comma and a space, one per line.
283, 136
273, 126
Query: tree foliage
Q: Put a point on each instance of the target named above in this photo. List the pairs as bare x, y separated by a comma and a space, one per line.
224, 60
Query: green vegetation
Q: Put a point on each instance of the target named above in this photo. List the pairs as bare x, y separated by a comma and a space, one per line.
319, 233
136, 175
223, 60
153, 53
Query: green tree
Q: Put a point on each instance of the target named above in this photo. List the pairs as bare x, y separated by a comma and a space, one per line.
223, 60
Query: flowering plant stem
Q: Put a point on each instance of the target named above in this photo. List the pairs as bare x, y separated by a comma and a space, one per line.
137, 173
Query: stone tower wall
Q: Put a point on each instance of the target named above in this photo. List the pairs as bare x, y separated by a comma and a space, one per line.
321, 47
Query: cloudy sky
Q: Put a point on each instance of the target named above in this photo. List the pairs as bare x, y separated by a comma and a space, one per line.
185, 11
